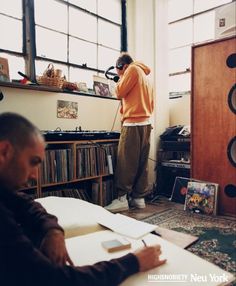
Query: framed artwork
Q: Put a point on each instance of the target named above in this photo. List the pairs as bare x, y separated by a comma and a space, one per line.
101, 86
201, 198
67, 109
179, 190
4, 70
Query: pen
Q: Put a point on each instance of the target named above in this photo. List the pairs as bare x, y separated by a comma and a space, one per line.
143, 241
156, 233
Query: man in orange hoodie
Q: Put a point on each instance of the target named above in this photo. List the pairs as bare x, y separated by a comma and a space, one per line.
136, 95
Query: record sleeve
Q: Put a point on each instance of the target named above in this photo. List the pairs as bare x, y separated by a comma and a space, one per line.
201, 198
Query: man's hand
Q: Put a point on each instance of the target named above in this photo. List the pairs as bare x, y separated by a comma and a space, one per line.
53, 246
149, 257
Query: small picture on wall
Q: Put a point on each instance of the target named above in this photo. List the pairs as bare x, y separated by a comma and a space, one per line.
67, 109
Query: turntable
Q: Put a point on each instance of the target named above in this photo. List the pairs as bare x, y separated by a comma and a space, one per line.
78, 134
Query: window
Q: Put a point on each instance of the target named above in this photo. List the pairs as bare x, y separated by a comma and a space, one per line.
82, 34
180, 59
9, 40
180, 83
204, 27
174, 11
203, 5
81, 37
181, 34
193, 23
11, 18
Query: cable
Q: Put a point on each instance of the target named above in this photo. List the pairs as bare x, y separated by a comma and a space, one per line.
97, 144
114, 124
114, 121
108, 156
152, 160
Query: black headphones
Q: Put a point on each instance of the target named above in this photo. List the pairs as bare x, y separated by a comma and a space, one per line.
116, 77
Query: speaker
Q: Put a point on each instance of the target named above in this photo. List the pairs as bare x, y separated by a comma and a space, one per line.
213, 127
231, 151
232, 99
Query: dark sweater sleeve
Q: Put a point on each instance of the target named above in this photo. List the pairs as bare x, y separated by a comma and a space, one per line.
33, 218
109, 273
21, 263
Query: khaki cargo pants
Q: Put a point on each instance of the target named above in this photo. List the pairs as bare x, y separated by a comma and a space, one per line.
131, 175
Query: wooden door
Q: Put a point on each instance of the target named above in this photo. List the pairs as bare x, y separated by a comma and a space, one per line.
213, 122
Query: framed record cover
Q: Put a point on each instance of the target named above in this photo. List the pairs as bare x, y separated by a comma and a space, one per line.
201, 198
179, 190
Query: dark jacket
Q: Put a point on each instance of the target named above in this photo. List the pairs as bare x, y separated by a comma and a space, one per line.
23, 224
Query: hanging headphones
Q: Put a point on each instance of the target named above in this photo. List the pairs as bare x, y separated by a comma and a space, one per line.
116, 77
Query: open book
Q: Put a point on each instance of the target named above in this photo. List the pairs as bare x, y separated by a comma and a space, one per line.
125, 225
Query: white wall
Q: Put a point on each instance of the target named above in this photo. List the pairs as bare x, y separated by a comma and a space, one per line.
180, 110
147, 41
41, 108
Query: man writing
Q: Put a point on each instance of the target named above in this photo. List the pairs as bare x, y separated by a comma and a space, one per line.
32, 246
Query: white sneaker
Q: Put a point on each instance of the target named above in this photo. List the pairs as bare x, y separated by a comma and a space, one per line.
138, 203
118, 205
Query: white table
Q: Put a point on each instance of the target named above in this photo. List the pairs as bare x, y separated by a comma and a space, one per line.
181, 268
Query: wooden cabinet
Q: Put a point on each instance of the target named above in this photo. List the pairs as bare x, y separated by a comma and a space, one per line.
213, 123
78, 165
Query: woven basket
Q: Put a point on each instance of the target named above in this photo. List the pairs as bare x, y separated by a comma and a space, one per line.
51, 81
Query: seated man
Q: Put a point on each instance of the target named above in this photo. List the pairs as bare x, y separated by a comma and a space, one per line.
32, 246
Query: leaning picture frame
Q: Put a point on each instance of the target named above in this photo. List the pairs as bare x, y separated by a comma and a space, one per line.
101, 86
4, 69
196, 195
179, 190
202, 197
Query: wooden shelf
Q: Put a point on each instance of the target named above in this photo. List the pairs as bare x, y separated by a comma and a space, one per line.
50, 89
73, 181
71, 164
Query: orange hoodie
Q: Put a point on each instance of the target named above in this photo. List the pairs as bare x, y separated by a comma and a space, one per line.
136, 93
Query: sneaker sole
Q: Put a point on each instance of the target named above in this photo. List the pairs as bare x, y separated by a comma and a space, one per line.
132, 205
118, 210
139, 207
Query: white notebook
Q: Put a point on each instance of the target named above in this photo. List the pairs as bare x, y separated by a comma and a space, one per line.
125, 225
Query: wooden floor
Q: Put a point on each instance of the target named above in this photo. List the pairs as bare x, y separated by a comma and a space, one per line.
158, 205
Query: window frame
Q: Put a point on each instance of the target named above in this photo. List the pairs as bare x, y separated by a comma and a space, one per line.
187, 70
28, 53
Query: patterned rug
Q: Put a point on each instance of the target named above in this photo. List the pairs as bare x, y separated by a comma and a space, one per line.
217, 235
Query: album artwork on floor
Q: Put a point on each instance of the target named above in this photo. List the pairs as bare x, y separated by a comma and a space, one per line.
180, 189
201, 197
